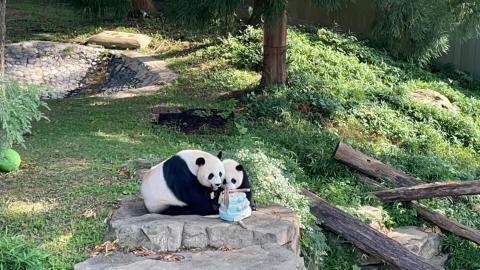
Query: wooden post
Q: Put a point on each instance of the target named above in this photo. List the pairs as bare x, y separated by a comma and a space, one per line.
365, 237
427, 191
357, 160
275, 50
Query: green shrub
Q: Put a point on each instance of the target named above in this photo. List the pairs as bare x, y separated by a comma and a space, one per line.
20, 104
18, 254
275, 180
243, 50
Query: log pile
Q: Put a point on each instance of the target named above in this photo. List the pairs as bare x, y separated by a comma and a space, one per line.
411, 189
365, 237
371, 173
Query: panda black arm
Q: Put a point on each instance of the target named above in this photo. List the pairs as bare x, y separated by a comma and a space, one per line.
246, 184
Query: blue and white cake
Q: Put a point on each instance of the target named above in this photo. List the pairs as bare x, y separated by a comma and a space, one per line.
237, 209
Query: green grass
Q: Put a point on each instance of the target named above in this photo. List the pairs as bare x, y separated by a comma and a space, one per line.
339, 89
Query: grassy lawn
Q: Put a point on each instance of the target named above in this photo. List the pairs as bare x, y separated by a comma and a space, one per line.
338, 89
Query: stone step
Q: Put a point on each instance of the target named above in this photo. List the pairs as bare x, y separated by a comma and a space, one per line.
257, 257
134, 227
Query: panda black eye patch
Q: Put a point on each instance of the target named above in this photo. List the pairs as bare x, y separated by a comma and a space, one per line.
224, 181
220, 174
234, 181
210, 176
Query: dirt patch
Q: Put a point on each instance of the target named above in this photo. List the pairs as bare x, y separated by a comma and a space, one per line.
433, 98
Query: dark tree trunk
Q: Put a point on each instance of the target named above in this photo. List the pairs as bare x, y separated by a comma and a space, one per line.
275, 51
145, 5
3, 35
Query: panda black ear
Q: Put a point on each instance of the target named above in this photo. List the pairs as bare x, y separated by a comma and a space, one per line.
219, 155
200, 161
239, 167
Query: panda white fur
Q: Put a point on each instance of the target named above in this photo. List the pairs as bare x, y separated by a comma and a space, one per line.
236, 178
181, 185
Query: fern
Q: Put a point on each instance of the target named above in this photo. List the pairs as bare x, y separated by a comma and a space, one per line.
20, 104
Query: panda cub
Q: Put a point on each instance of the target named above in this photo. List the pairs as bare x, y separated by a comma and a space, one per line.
236, 178
182, 184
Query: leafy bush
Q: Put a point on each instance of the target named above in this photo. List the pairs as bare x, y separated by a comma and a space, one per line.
274, 180
18, 254
103, 9
20, 104
243, 50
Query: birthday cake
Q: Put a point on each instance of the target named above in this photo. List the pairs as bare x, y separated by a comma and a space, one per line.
235, 208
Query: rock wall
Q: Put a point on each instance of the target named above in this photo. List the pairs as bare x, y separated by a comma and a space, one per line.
73, 69
60, 65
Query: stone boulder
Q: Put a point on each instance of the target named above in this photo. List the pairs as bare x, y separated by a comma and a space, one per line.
133, 226
258, 257
424, 244
433, 98
119, 40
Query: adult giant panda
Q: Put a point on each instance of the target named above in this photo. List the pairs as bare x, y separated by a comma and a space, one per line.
182, 184
236, 178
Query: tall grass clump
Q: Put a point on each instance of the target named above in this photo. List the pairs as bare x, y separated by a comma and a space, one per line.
16, 253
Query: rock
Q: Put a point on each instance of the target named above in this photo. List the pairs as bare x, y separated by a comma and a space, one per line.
433, 98
258, 257
73, 69
373, 215
132, 227
424, 244
120, 40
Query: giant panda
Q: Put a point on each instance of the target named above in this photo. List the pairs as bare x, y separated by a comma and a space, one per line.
236, 178
183, 184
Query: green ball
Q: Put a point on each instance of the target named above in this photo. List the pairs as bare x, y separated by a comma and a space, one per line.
9, 160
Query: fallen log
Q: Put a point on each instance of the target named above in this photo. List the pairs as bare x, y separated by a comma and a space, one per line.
357, 160
374, 185
435, 217
427, 191
364, 237
447, 224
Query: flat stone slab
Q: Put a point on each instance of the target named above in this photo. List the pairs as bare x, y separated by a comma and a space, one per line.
133, 226
120, 40
257, 257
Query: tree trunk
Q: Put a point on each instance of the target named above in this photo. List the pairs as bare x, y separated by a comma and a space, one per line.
3, 35
428, 191
365, 237
275, 51
145, 5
